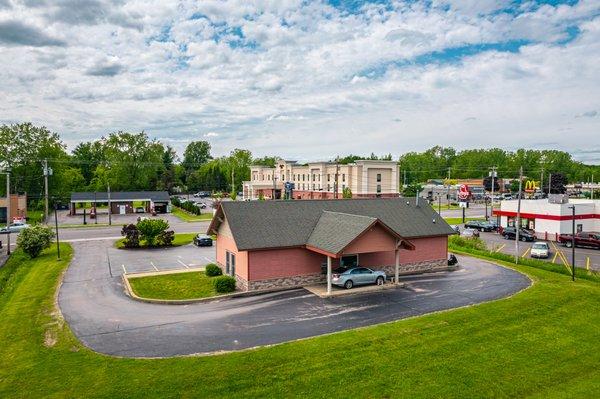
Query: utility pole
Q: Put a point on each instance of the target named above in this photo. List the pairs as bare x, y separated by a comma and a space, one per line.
493, 185
549, 183
518, 226
573, 245
404, 185
592, 194
46, 173
233, 181
337, 172
56, 228
109, 205
448, 192
542, 181
7, 173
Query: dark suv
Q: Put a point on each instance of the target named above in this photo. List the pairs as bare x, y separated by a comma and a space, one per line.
480, 225
510, 233
202, 240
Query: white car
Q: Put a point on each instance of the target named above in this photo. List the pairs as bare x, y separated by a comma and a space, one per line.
16, 227
540, 249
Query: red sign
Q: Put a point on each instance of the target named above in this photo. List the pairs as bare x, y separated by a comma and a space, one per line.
463, 192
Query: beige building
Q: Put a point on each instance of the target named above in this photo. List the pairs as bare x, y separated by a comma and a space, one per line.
322, 180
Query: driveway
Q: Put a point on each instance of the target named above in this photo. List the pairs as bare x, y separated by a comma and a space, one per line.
106, 320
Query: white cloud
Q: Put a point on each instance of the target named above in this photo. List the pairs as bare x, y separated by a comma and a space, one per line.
305, 79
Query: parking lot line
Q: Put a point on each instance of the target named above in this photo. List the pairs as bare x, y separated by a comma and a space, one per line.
500, 247
587, 263
525, 253
155, 268
124, 270
555, 256
208, 260
186, 266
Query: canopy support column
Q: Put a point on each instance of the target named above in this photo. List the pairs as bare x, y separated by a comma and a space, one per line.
329, 275
397, 266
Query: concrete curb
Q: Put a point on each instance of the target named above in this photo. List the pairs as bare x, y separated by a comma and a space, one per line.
129, 291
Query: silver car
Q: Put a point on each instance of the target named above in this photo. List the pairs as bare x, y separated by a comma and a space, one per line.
540, 249
348, 278
15, 227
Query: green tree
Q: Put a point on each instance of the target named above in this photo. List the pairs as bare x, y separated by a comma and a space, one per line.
33, 240
265, 161
346, 192
151, 229
196, 154
87, 156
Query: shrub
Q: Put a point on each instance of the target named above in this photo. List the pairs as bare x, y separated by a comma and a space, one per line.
165, 238
132, 236
471, 243
213, 270
150, 229
224, 284
34, 240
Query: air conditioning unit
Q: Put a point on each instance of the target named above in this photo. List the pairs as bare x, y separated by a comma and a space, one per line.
558, 199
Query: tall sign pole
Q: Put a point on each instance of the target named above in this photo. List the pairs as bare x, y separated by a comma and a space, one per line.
573, 245
8, 210
518, 226
45, 191
109, 206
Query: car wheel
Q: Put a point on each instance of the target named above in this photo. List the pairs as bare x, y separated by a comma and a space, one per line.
506, 236
348, 284
568, 244
523, 239
379, 280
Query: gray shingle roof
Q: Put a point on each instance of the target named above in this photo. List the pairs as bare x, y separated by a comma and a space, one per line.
269, 224
156, 196
335, 230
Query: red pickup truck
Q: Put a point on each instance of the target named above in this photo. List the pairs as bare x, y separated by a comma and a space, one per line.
581, 240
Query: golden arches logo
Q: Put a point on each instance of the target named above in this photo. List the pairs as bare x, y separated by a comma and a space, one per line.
531, 185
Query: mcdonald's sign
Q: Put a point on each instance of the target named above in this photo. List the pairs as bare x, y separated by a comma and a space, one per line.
531, 186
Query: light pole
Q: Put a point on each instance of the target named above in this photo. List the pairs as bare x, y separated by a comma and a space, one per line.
8, 210
56, 229
573, 245
109, 206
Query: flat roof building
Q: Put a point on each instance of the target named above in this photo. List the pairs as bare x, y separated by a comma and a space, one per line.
323, 180
122, 202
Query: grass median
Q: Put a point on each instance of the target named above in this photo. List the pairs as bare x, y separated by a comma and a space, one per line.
542, 342
179, 240
190, 217
174, 286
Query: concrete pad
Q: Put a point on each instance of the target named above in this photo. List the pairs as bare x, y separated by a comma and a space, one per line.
320, 290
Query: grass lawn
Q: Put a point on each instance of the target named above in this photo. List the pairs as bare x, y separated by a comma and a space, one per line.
459, 220
180, 239
543, 342
188, 217
35, 216
190, 285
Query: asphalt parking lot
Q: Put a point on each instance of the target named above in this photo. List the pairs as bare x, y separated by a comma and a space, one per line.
584, 257
152, 260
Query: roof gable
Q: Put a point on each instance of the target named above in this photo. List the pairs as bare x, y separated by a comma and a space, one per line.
334, 231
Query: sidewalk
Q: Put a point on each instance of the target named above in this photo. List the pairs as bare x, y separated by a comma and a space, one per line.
320, 290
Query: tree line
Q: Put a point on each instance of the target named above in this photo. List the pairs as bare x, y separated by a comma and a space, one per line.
128, 161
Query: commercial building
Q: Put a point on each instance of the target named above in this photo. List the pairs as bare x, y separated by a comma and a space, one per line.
18, 207
552, 216
323, 180
123, 202
275, 244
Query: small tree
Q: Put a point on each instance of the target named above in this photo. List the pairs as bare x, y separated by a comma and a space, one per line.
261, 196
346, 192
132, 236
34, 240
165, 238
233, 195
150, 229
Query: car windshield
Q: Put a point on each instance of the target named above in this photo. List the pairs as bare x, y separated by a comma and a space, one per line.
540, 246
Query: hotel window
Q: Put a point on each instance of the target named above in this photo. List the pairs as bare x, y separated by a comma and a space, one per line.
313, 187
302, 176
328, 187
378, 177
328, 177
343, 177
378, 188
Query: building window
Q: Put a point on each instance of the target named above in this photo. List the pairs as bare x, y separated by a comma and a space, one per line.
328, 177
313, 187
283, 177
328, 187
230, 263
378, 188
343, 177
302, 176
378, 177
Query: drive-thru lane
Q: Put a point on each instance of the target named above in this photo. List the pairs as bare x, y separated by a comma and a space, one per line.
106, 320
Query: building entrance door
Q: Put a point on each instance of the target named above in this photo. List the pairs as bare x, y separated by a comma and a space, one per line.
122, 209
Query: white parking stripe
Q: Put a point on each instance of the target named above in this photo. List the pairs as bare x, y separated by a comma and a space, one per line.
155, 268
124, 270
208, 260
186, 266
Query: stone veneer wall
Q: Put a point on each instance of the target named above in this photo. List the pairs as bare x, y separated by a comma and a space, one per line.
299, 281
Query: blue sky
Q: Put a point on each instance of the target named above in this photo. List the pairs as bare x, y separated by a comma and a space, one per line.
308, 79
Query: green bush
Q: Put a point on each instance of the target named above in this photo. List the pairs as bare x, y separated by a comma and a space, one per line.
34, 240
471, 243
213, 270
150, 229
224, 284
165, 238
132, 236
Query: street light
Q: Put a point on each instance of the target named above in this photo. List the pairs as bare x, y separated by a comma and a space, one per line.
573, 244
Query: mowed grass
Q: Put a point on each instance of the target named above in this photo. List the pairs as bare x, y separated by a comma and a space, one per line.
189, 285
453, 221
188, 217
543, 342
179, 240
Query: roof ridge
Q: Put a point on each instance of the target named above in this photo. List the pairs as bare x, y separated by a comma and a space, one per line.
350, 214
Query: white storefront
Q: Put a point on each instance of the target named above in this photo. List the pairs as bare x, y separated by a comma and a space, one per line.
551, 219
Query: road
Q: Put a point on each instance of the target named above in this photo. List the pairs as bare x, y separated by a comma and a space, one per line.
106, 320
584, 257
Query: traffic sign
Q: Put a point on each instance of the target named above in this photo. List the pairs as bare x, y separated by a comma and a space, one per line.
463, 192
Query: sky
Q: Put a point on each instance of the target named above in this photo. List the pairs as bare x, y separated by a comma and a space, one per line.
308, 80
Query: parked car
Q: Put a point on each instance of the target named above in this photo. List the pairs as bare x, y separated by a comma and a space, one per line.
507, 196
201, 205
583, 239
348, 278
455, 227
15, 227
202, 240
540, 249
140, 209
510, 233
480, 225
470, 233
